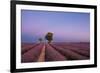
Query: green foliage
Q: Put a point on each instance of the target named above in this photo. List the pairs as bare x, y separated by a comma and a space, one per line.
40, 39
49, 37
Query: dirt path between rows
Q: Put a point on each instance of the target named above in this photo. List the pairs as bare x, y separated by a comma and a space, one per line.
42, 55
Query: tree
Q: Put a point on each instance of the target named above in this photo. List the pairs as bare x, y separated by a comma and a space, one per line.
40, 39
49, 37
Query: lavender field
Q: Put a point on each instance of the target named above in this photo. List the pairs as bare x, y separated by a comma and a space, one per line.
63, 51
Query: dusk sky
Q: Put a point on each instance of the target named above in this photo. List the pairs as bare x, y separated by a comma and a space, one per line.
65, 26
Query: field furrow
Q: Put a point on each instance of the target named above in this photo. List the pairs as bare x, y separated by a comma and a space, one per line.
69, 53
52, 55
33, 54
27, 47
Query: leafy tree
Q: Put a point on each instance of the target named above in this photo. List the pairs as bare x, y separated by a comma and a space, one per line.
49, 37
40, 39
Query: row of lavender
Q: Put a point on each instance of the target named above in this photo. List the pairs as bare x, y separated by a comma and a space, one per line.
55, 51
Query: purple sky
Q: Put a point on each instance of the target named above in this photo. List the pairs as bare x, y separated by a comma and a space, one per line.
66, 26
